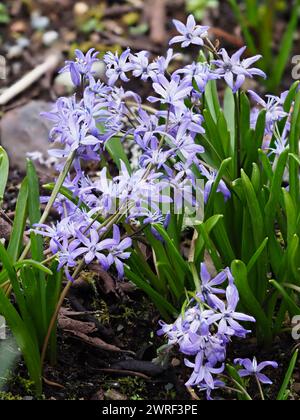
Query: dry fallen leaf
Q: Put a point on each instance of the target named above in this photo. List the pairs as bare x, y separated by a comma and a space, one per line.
5, 229
81, 330
107, 283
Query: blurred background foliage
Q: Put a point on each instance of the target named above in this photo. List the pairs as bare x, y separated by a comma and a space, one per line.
267, 27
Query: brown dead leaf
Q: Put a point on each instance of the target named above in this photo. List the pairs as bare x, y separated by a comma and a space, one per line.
18, 26
73, 325
96, 342
81, 330
107, 283
5, 229
98, 396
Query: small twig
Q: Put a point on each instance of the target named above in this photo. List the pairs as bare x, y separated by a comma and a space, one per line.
6, 218
125, 373
118, 10
232, 39
50, 63
157, 16
193, 394
54, 384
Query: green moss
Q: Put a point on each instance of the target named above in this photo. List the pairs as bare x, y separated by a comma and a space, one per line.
101, 312
7, 396
132, 387
27, 385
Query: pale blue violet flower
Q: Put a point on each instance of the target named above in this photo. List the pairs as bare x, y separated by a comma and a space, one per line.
81, 68
117, 67
234, 71
191, 33
252, 368
211, 176
203, 372
227, 316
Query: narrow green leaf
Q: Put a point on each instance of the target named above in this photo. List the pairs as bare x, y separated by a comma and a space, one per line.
256, 256
293, 308
254, 210
266, 165
243, 22
283, 393
249, 301
210, 246
25, 341
174, 253
209, 226
16, 239
4, 170
294, 149
224, 167
69, 195
115, 149
295, 157
32, 263
212, 99
229, 113
8, 266
239, 383
37, 243
285, 49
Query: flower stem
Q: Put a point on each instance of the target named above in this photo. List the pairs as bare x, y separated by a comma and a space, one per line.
55, 192
237, 101
260, 389
196, 278
239, 386
55, 315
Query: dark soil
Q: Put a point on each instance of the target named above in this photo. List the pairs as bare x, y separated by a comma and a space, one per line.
125, 318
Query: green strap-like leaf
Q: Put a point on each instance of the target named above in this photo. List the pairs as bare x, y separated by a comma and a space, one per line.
283, 393
248, 299
285, 49
33, 263
17, 234
4, 170
293, 308
115, 149
25, 340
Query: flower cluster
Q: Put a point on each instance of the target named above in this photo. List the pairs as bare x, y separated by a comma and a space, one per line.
169, 138
207, 327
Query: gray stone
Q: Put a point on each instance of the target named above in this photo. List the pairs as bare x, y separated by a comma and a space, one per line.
24, 130
14, 52
50, 37
39, 22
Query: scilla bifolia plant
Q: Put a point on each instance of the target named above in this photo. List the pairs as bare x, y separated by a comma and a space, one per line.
132, 223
